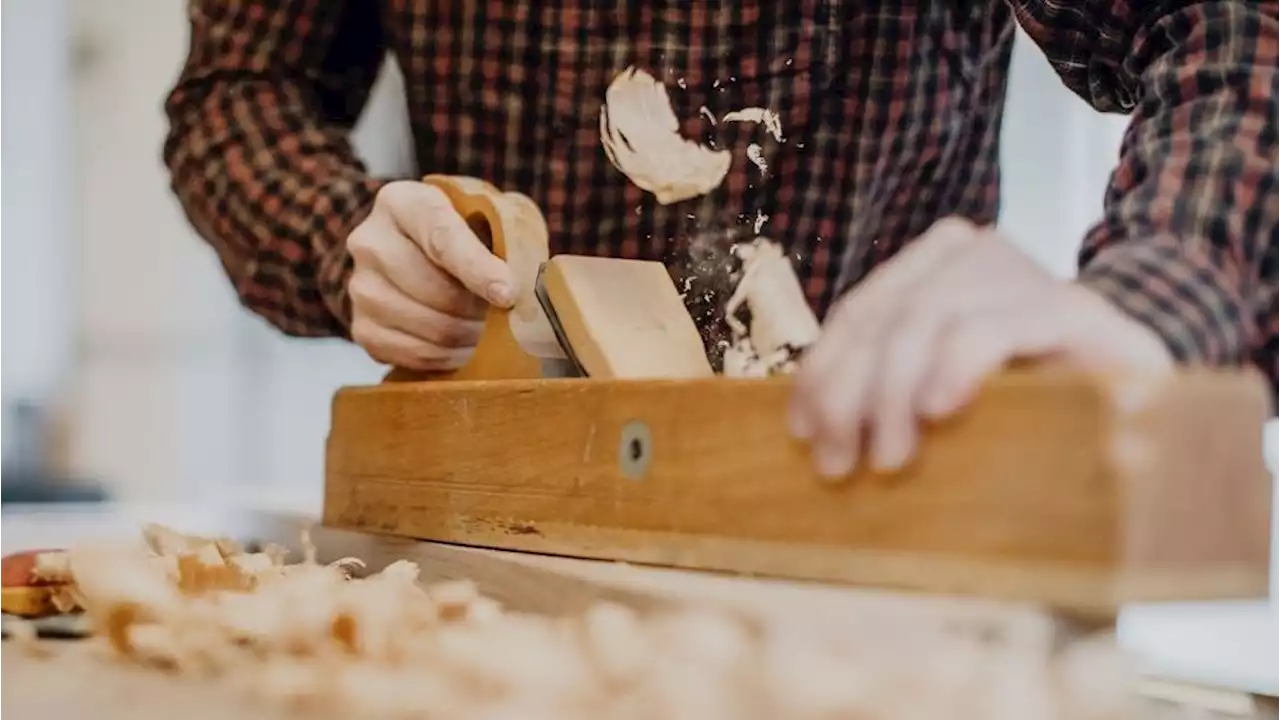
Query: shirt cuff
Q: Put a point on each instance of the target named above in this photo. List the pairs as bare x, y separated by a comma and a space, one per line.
335, 261
1193, 302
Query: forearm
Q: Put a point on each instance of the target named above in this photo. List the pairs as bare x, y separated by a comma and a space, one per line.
1188, 241
275, 201
259, 157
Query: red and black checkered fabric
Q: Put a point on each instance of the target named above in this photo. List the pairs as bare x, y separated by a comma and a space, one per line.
891, 113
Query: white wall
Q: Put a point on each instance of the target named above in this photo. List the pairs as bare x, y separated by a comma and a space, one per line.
1056, 156
180, 393
37, 279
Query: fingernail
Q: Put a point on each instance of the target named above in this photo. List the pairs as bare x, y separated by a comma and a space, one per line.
833, 463
891, 458
499, 293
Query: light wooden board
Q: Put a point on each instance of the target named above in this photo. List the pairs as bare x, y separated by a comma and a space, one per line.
555, 585
1051, 488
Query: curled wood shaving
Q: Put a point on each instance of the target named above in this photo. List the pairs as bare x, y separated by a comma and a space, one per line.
641, 137
769, 118
312, 637
52, 567
782, 323
165, 541
65, 598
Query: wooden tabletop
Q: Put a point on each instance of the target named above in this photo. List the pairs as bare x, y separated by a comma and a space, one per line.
75, 681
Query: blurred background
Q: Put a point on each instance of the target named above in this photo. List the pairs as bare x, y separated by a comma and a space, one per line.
122, 330
130, 368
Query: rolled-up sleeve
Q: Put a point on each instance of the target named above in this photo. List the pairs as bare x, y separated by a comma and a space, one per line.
1187, 244
258, 148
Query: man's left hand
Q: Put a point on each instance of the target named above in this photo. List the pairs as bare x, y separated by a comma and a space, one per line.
916, 339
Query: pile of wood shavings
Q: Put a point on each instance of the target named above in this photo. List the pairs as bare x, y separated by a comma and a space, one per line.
782, 323
314, 638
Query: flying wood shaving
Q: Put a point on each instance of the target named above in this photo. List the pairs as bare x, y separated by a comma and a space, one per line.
641, 137
770, 119
310, 637
756, 155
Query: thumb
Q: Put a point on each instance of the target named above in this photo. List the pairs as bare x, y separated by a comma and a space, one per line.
425, 214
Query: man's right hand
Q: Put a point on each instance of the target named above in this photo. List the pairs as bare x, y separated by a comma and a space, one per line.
422, 280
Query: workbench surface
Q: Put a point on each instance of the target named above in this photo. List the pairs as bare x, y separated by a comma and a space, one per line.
75, 682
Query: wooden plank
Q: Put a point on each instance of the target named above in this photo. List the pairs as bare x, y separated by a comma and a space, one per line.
557, 585
1052, 487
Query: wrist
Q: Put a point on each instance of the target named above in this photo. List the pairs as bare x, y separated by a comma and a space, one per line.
1130, 342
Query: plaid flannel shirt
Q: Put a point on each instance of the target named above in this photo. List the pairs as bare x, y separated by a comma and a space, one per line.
891, 111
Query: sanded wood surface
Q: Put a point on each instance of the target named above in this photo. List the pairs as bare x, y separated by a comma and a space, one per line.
1049, 488
624, 318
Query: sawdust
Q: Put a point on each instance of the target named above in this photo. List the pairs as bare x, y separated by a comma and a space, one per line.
314, 638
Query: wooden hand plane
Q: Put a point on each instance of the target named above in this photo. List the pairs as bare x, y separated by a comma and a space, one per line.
1064, 489
573, 316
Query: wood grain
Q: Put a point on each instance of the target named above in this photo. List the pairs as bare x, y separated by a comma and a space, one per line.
556, 585
624, 318
1052, 487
